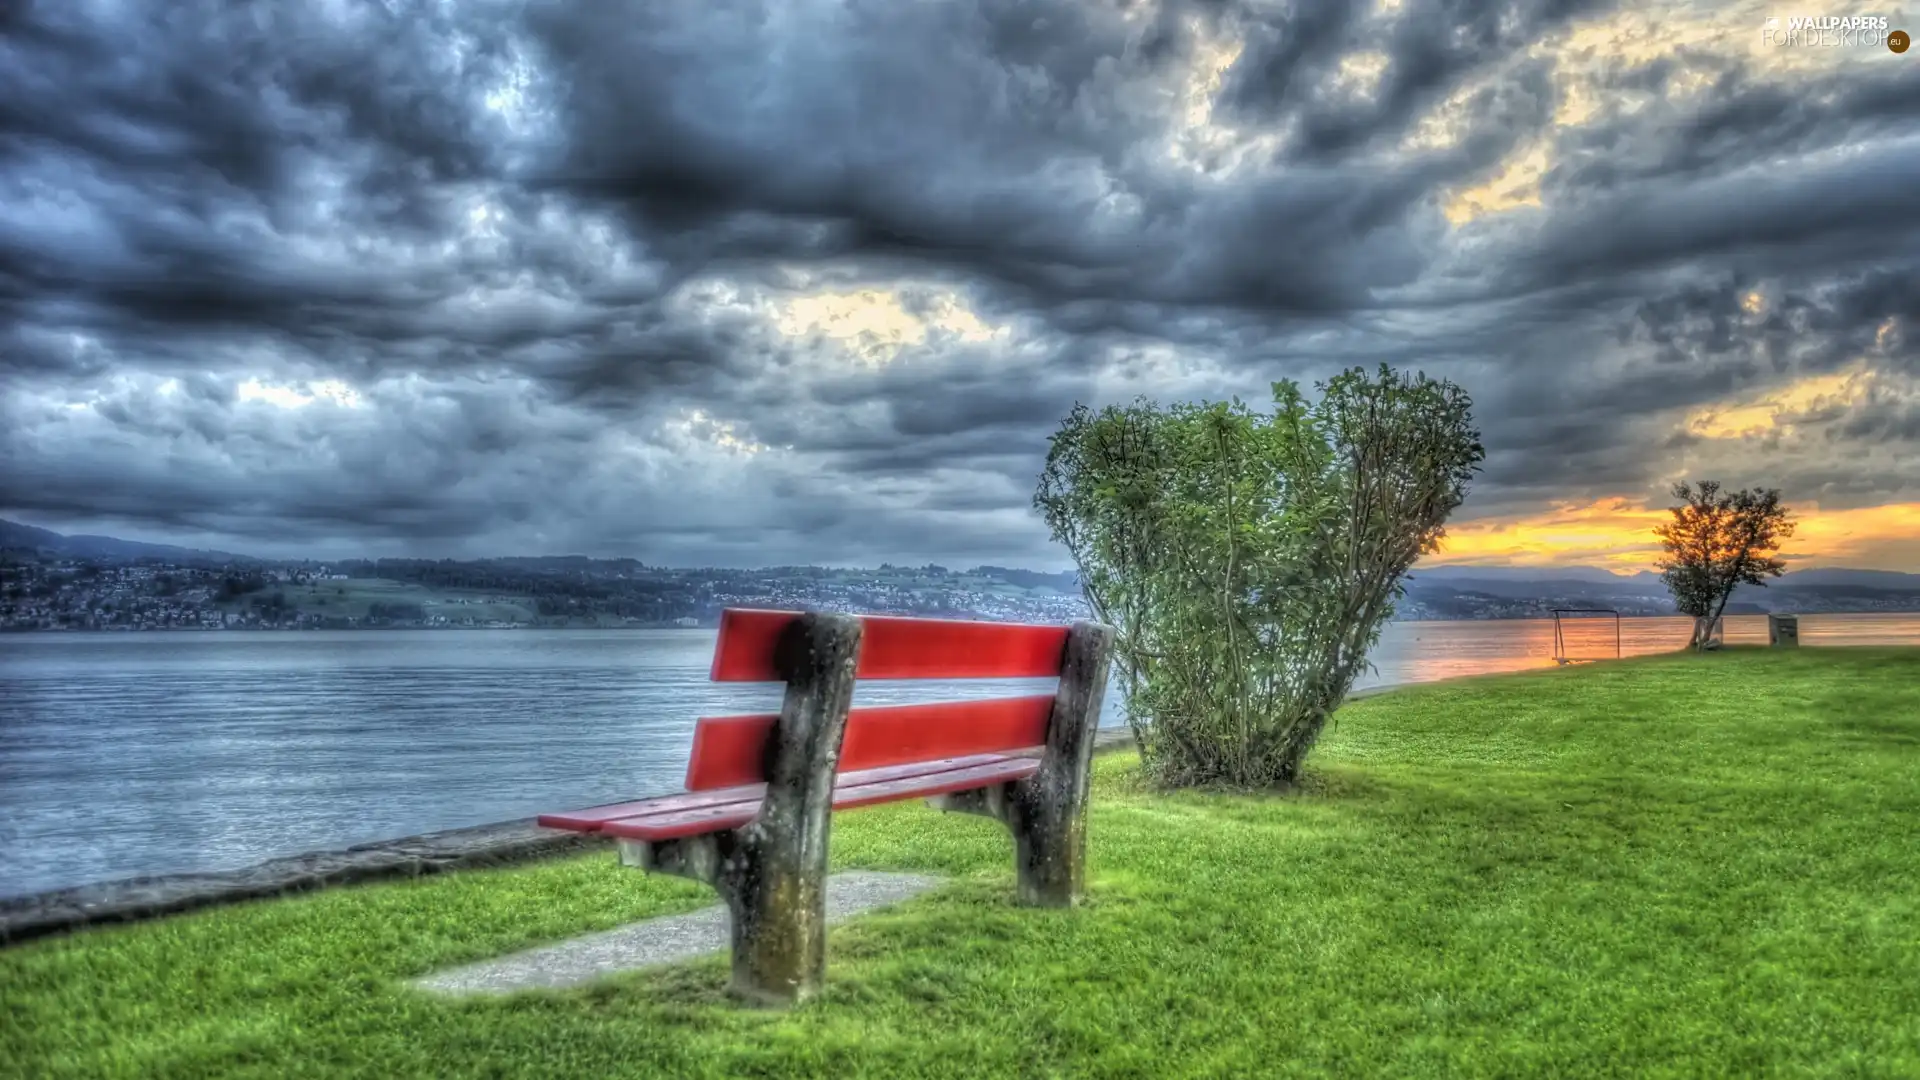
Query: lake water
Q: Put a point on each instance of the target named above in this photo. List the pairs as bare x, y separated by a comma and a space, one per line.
126, 754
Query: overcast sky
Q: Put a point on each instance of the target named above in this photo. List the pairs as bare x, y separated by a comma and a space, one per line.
724, 283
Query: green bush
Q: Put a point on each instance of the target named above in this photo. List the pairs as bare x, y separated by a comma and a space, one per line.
1248, 560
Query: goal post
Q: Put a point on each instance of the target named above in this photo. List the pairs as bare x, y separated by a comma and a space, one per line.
1567, 640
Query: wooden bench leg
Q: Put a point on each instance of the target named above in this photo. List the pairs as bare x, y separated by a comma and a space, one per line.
772, 872
1046, 812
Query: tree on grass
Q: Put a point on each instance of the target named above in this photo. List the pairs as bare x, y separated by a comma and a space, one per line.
1248, 560
1718, 541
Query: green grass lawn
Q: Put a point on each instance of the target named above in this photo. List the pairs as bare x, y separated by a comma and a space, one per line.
1677, 866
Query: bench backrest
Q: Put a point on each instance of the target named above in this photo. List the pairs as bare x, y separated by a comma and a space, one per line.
732, 750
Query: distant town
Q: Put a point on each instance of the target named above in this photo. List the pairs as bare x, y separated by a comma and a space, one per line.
54, 582
92, 594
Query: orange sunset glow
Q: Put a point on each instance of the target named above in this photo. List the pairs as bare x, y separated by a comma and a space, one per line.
1618, 534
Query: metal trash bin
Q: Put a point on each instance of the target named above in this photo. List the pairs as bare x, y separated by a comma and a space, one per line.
1783, 631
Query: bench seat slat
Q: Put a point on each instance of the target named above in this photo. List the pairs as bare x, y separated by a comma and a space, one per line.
590, 820
914, 787
684, 823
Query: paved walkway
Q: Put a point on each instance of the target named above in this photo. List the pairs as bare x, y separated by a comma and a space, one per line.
656, 941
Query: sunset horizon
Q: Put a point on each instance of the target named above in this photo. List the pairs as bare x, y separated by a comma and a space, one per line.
1614, 535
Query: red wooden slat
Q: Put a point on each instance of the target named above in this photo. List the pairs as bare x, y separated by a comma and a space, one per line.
915, 787
862, 777
898, 648
729, 751
893, 648
748, 637
592, 819
677, 821
685, 823
902, 734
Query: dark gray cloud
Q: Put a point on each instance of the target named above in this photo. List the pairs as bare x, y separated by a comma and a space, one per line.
1291, 59
758, 282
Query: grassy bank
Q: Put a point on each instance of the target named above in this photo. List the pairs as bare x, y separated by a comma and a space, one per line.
1666, 867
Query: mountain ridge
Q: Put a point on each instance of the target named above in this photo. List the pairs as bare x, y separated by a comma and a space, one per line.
1498, 581
16, 536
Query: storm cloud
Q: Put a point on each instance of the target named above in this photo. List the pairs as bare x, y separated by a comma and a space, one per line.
744, 283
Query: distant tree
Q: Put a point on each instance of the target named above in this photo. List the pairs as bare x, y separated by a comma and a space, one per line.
1248, 561
234, 586
271, 608
397, 612
1718, 541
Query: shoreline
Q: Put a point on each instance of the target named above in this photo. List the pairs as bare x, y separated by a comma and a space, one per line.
37, 915
44, 914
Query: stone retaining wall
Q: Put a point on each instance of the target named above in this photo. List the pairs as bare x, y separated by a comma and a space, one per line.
25, 917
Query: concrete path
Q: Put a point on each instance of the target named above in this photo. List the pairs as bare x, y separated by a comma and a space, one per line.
656, 941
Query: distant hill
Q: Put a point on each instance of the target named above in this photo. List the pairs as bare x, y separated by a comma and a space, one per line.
1433, 592
17, 537
1066, 581
1871, 579
1452, 575
1545, 583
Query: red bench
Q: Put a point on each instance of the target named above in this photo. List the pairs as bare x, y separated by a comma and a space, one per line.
754, 820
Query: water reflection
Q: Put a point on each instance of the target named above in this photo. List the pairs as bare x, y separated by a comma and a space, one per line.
1425, 651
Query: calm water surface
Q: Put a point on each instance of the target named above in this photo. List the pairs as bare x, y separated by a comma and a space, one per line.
124, 754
